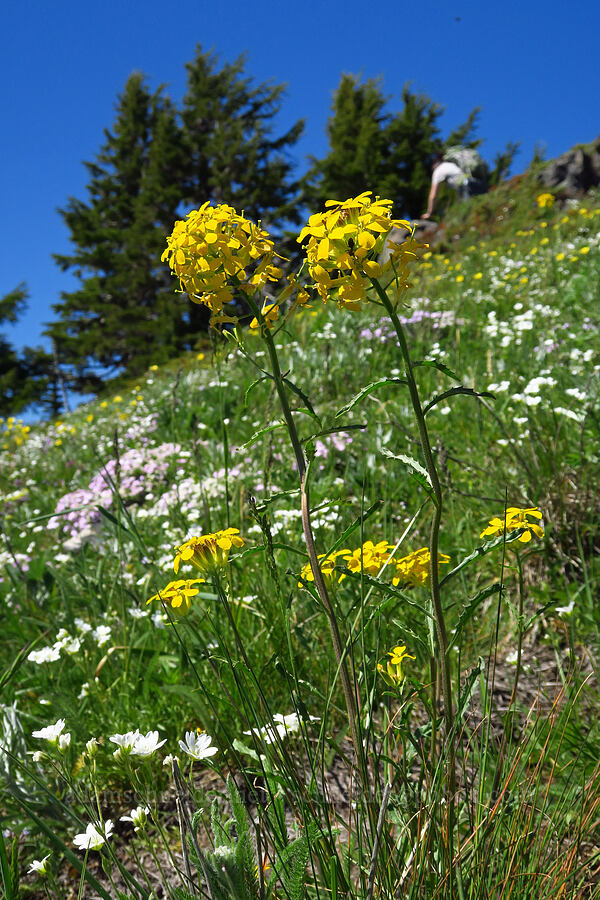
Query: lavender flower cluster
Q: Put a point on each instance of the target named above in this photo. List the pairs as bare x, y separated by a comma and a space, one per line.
135, 474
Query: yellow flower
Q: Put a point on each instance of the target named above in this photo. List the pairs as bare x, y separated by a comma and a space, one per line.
416, 567
215, 251
270, 313
209, 552
369, 558
478, 275
344, 243
584, 250
560, 257
515, 518
326, 564
460, 278
545, 201
178, 595
392, 671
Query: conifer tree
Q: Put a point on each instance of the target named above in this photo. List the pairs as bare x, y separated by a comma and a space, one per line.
371, 148
123, 316
24, 374
231, 154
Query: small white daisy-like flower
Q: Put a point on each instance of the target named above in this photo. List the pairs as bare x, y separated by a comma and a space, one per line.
125, 742
64, 742
39, 866
138, 817
93, 838
197, 745
50, 733
147, 744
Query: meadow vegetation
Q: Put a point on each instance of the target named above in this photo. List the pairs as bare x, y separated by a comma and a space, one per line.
327, 718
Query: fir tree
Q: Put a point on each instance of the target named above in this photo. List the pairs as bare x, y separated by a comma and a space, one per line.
371, 148
25, 375
231, 154
124, 315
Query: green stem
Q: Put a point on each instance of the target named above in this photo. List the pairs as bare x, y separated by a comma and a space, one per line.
436, 602
334, 630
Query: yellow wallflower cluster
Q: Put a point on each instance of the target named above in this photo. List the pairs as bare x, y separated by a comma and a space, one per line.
392, 671
208, 553
343, 245
177, 595
515, 518
545, 201
413, 569
12, 432
214, 251
416, 568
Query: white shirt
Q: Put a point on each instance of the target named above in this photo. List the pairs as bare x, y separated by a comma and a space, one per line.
449, 171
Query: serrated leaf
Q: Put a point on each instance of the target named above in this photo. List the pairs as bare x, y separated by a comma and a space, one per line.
408, 461
254, 384
481, 551
366, 391
451, 392
469, 610
416, 471
258, 434
434, 364
300, 393
339, 430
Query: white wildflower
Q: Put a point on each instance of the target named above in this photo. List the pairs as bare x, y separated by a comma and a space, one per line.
93, 838
197, 745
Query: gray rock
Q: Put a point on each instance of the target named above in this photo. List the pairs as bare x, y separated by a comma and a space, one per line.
575, 172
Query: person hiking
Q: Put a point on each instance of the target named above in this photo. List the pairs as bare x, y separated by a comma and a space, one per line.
462, 169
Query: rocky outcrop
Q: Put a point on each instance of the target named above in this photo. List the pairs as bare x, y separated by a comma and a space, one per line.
575, 172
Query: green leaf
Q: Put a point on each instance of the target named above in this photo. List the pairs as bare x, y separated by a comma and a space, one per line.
258, 434
340, 430
469, 610
253, 385
10, 889
469, 392
416, 471
481, 551
300, 393
16, 663
366, 391
434, 364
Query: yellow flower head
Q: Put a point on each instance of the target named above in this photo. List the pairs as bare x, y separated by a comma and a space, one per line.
392, 671
513, 519
326, 564
370, 558
210, 552
215, 251
416, 567
545, 201
343, 245
270, 314
178, 595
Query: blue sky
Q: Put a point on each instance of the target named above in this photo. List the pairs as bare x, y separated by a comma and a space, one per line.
531, 66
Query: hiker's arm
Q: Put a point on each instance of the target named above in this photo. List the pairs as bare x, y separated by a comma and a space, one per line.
431, 200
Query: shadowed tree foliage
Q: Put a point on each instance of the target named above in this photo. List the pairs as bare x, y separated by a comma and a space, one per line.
371, 148
231, 154
124, 315
29, 376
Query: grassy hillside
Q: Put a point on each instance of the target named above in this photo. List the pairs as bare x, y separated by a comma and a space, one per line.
94, 505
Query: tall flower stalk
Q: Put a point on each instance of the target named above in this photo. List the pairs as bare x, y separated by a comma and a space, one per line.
348, 686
